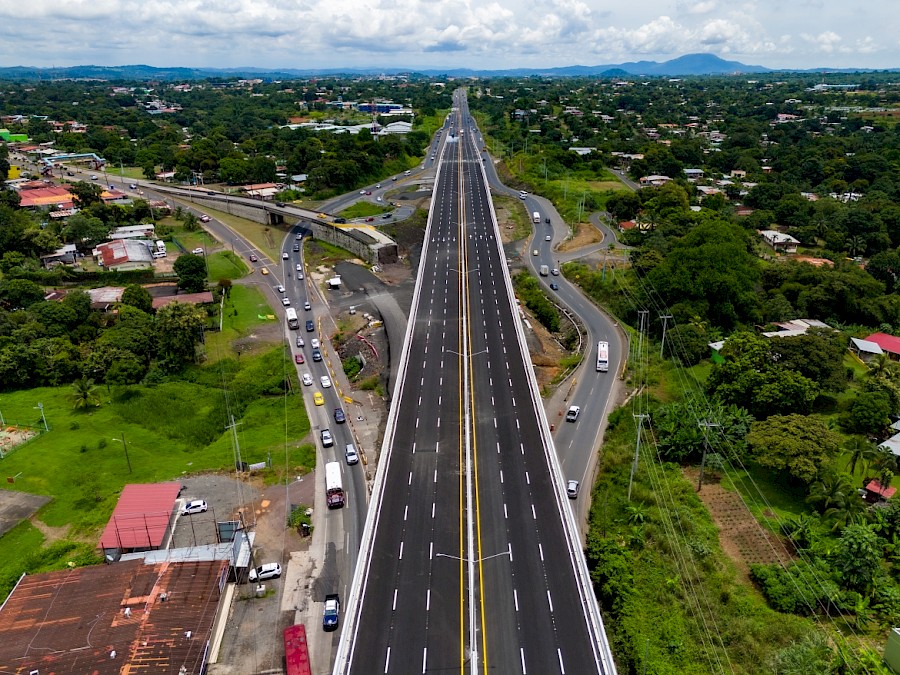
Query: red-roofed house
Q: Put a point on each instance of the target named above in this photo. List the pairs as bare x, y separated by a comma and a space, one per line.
45, 197
142, 520
888, 343
875, 493
124, 254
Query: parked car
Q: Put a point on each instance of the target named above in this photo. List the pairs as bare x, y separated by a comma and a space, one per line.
197, 251
194, 506
263, 572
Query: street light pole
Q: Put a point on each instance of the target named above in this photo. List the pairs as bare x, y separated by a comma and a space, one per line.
125, 445
40, 406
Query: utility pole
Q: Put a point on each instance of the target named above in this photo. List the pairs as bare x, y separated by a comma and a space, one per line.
706, 427
665, 319
637, 451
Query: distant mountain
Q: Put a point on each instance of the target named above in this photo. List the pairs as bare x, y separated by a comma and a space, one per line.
687, 65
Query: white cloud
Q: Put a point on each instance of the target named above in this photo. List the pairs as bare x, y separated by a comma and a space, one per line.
443, 33
696, 6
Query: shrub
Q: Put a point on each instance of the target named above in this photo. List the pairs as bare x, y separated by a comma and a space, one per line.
801, 588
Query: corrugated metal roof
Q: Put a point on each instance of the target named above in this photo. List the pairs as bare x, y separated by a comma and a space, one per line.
888, 343
141, 517
112, 619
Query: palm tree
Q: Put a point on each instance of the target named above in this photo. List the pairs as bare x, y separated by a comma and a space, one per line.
879, 365
862, 453
852, 511
84, 393
830, 491
800, 530
856, 245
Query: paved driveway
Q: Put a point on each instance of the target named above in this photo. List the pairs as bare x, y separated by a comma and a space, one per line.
16, 507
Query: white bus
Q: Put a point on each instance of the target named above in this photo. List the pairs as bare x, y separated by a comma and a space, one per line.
293, 322
602, 357
334, 490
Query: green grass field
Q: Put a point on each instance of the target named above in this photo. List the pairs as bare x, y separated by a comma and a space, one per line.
173, 429
225, 265
364, 210
241, 315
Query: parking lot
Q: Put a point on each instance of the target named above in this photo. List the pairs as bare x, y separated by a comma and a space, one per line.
224, 496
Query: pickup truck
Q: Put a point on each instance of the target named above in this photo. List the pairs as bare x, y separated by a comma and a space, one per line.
332, 612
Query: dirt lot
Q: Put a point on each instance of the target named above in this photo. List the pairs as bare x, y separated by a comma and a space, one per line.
585, 234
743, 539
252, 640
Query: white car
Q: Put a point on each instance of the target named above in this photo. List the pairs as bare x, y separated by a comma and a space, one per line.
299, 267
362, 192
314, 343
279, 288
194, 506
263, 572
286, 302
573, 413
378, 186
548, 238
325, 381
572, 489
197, 251
327, 438
307, 380
284, 256
307, 306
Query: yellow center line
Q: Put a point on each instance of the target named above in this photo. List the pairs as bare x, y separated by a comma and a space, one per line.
462, 495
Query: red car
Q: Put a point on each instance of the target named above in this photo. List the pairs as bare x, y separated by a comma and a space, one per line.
298, 358
370, 219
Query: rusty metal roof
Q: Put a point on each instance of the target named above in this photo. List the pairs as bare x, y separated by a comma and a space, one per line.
127, 618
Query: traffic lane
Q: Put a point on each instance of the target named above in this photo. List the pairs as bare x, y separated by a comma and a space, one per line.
424, 452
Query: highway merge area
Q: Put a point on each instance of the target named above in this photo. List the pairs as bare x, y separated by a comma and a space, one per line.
470, 560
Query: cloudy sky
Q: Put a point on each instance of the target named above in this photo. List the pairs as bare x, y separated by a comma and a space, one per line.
446, 33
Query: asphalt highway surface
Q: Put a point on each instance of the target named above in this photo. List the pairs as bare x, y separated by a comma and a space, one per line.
470, 560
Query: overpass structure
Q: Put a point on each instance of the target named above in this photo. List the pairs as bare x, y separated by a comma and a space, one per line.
470, 560
366, 242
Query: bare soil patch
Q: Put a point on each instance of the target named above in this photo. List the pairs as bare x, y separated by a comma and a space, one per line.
743, 539
585, 234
